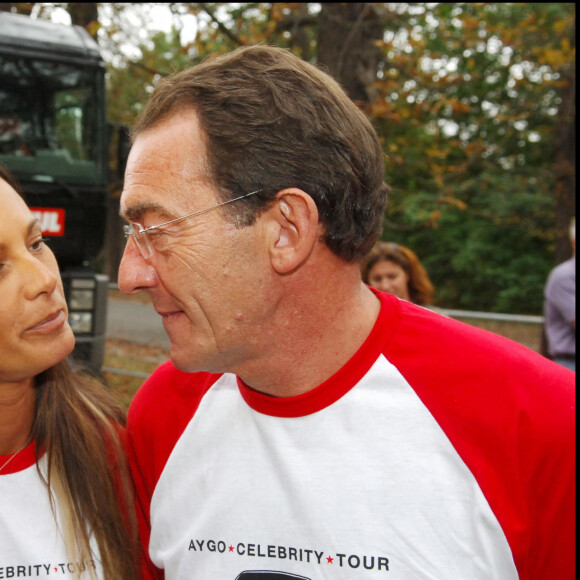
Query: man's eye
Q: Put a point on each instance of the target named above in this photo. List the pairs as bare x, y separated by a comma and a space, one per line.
155, 236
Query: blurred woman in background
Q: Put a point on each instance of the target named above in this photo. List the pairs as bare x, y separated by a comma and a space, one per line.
395, 269
66, 502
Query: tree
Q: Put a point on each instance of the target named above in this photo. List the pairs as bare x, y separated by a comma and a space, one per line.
85, 14
472, 112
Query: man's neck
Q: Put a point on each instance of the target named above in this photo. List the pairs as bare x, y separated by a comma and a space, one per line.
323, 327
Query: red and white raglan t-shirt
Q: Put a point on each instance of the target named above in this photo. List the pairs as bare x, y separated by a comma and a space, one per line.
439, 451
31, 542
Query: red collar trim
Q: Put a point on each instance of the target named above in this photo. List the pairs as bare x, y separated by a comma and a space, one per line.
22, 461
342, 381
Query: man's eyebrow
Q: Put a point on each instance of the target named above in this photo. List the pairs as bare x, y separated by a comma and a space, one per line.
137, 211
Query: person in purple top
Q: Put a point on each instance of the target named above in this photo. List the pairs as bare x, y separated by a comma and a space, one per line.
560, 309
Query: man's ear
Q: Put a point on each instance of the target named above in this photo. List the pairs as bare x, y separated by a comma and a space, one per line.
293, 229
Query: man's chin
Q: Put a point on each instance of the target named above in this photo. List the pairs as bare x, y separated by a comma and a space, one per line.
184, 361
179, 361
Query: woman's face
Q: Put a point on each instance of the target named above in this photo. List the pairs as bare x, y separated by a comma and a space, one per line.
34, 329
389, 277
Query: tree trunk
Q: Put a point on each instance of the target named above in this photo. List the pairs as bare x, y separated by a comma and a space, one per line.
566, 168
85, 15
114, 238
347, 34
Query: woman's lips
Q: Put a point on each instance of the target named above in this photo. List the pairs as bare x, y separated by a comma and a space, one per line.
49, 324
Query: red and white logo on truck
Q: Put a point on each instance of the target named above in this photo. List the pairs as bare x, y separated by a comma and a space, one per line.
51, 220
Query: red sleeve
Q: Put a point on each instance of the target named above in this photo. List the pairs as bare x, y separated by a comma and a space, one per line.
159, 413
510, 414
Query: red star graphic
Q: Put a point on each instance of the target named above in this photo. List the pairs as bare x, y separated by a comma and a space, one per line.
330, 559
231, 548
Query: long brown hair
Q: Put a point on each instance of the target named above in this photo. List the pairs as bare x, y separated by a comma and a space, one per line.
419, 286
77, 423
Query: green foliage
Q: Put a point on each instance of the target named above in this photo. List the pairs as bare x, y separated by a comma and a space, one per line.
470, 120
130, 84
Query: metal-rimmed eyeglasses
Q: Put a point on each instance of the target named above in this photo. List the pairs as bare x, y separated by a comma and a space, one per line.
140, 234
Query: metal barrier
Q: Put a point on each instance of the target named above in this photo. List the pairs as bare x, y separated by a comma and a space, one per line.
525, 318
522, 328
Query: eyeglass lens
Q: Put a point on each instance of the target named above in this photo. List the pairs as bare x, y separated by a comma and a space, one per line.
134, 230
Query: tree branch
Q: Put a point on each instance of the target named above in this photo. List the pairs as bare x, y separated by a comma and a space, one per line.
292, 21
354, 29
235, 39
151, 71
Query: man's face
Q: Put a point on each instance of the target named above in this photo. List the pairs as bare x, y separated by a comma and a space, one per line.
206, 278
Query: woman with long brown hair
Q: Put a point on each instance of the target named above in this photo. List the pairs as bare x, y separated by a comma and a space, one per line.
396, 269
66, 503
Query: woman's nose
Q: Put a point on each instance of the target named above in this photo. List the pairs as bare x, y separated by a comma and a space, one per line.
39, 278
384, 285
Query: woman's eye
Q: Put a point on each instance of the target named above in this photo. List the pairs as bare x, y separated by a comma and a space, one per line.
38, 244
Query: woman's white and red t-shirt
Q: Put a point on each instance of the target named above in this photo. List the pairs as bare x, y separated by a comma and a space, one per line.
439, 451
31, 535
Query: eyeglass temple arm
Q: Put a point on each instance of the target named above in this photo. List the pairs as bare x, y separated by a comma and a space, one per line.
198, 212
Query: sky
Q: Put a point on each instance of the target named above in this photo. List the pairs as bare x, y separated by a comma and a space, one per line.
159, 18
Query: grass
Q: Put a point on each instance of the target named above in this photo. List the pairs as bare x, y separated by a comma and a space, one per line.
123, 355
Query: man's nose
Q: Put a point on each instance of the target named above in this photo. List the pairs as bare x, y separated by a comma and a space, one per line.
135, 273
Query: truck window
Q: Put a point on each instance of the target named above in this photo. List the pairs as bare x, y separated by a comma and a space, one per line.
49, 114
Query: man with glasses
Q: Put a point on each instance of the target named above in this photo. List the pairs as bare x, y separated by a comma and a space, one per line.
306, 425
